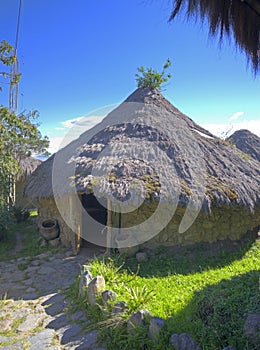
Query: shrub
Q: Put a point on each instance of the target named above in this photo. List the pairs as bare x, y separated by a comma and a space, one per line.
152, 78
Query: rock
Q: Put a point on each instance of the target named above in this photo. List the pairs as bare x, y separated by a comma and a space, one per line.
35, 262
54, 242
84, 281
95, 287
141, 257
119, 308
46, 270
129, 251
28, 281
139, 318
85, 342
252, 327
79, 315
4, 339
43, 243
183, 342
57, 322
156, 324
69, 332
108, 295
15, 346
31, 269
41, 340
5, 325
31, 322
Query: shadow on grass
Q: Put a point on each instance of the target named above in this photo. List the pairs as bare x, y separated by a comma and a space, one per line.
193, 258
216, 315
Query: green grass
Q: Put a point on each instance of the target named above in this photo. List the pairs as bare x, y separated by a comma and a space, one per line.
206, 295
30, 241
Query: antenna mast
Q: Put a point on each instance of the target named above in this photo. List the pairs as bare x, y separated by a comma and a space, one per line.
14, 71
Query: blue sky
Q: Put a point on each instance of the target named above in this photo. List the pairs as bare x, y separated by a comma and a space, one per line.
78, 56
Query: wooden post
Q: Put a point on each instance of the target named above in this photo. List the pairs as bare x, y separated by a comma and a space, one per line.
109, 226
75, 223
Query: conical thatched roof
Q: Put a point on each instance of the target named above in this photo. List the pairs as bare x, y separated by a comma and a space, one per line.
238, 19
27, 165
146, 148
247, 142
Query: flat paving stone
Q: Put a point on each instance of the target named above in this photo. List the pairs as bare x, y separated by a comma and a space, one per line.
31, 269
31, 322
60, 321
28, 281
4, 339
41, 340
36, 262
15, 346
36, 295
79, 316
29, 296
45, 270
86, 342
5, 325
19, 313
68, 333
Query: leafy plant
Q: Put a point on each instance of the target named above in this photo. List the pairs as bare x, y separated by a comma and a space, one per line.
5, 221
151, 78
137, 297
21, 214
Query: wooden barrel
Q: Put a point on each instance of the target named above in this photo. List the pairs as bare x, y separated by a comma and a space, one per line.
49, 229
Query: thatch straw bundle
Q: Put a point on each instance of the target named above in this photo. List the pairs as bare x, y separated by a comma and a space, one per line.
27, 165
235, 18
247, 142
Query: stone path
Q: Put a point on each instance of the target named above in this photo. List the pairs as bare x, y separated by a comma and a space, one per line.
33, 310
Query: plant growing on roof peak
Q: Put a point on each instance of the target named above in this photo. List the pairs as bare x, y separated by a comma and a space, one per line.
152, 78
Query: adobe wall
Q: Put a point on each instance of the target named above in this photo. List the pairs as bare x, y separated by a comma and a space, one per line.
47, 209
222, 223
20, 200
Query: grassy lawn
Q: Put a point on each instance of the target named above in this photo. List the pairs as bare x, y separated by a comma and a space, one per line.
205, 290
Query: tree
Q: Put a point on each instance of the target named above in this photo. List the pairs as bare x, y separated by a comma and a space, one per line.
238, 19
19, 134
152, 78
19, 137
8, 58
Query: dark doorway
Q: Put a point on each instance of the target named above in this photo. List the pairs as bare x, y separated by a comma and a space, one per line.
94, 208
94, 220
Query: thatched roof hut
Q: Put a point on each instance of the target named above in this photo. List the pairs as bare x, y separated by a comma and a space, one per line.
27, 165
147, 151
238, 19
247, 142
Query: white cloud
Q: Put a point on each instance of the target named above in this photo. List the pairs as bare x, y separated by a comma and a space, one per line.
87, 122
227, 129
54, 144
76, 127
58, 128
235, 116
